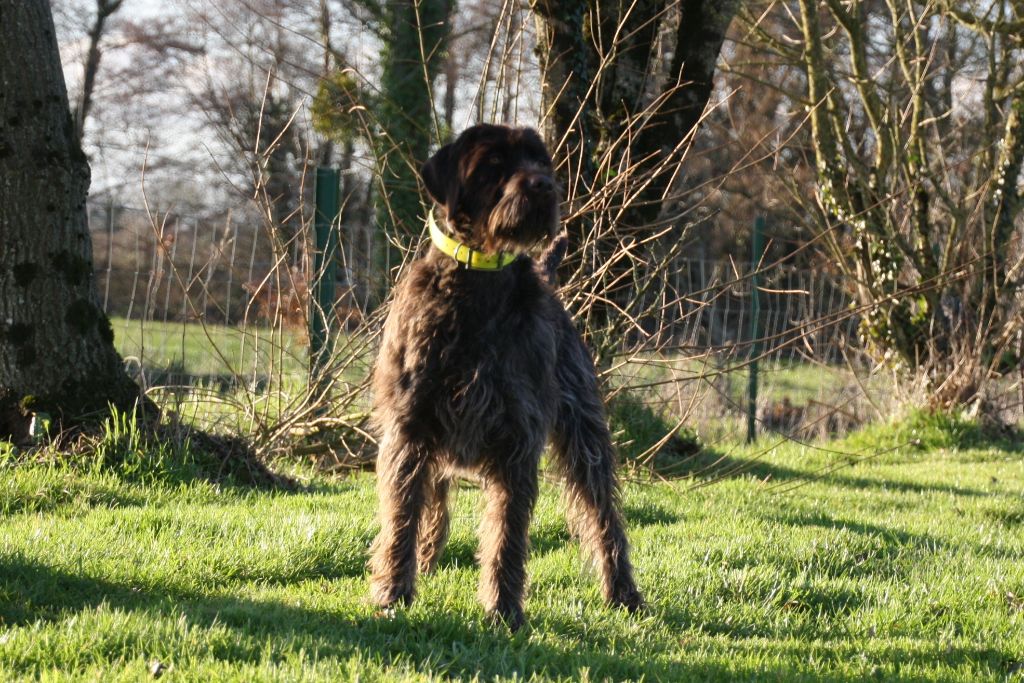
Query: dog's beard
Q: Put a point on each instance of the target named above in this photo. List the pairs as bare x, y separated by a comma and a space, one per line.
521, 222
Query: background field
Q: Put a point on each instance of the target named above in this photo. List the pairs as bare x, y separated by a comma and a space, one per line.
176, 351
905, 564
249, 363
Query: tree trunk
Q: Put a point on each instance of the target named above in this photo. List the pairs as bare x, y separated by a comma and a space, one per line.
414, 51
582, 40
56, 345
566, 62
698, 43
620, 114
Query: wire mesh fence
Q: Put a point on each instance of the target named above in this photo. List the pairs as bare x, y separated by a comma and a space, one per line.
214, 309
812, 380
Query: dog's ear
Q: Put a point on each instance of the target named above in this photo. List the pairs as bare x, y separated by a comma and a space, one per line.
437, 173
536, 144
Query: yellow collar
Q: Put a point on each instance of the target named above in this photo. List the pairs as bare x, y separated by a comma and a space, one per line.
475, 260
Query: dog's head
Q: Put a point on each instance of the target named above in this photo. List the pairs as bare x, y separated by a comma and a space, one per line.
496, 186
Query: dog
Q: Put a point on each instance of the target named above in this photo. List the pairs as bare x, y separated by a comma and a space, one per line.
479, 368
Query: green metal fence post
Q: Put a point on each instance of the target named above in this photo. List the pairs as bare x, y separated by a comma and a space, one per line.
756, 252
321, 300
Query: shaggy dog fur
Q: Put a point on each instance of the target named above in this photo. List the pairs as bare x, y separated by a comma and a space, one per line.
477, 371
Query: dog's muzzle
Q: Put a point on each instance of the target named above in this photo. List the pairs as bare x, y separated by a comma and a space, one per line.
528, 212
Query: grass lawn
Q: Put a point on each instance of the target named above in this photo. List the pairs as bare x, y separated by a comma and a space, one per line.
211, 350
265, 372
906, 565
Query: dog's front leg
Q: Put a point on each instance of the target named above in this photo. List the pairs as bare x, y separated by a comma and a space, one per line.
402, 471
511, 492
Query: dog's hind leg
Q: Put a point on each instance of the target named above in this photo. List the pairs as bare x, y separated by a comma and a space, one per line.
511, 491
583, 453
402, 471
434, 522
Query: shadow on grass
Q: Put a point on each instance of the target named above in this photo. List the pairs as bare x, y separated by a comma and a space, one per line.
709, 466
546, 538
34, 592
123, 478
648, 514
71, 494
446, 645
645, 442
822, 603
896, 539
112, 463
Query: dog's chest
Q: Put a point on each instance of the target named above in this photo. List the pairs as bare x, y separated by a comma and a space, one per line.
475, 364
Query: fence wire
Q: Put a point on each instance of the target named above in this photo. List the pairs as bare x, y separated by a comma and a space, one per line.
207, 307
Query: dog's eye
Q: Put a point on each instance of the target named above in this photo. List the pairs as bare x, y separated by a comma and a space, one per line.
494, 160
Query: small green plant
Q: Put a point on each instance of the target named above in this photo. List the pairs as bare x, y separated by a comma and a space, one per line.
928, 430
8, 451
125, 447
645, 435
136, 451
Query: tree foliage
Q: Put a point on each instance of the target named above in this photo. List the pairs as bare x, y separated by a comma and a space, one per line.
915, 118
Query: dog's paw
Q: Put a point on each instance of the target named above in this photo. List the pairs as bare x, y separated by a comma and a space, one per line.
512, 618
388, 596
387, 613
628, 598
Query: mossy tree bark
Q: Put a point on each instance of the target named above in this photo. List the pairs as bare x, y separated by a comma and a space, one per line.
415, 35
56, 345
930, 214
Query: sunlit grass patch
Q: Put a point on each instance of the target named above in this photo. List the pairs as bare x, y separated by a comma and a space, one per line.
904, 566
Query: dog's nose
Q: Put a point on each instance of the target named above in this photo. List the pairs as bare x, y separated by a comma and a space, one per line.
541, 184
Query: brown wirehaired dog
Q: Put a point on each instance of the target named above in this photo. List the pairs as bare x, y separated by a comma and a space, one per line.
477, 370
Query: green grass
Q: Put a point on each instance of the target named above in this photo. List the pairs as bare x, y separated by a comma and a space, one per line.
236, 373
211, 350
906, 565
223, 350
